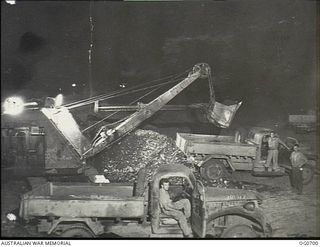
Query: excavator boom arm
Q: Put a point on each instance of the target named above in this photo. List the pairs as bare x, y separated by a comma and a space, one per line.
106, 137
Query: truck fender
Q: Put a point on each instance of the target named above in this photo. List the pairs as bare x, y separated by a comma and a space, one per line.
255, 216
223, 157
95, 226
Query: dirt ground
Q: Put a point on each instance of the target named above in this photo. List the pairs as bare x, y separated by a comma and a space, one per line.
291, 215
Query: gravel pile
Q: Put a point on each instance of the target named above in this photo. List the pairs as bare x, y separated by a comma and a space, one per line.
140, 149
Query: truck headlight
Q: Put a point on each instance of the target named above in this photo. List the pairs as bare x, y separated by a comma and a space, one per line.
11, 217
13, 106
250, 206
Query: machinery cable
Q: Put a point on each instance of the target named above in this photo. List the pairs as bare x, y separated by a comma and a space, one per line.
118, 92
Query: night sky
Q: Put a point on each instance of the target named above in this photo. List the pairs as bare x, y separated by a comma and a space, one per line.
261, 52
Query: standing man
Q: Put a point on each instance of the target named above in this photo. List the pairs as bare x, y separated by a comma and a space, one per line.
179, 210
297, 161
273, 145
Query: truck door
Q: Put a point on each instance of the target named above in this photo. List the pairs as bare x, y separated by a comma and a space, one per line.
198, 215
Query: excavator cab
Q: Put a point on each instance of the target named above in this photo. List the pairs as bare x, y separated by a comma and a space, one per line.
22, 150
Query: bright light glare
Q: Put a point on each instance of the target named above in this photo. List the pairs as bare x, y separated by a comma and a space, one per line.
58, 100
227, 115
73, 85
11, 2
31, 104
13, 106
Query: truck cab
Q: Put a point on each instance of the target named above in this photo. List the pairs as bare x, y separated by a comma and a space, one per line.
259, 136
23, 150
182, 184
215, 212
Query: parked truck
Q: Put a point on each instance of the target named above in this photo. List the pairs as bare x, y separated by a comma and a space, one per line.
217, 155
89, 210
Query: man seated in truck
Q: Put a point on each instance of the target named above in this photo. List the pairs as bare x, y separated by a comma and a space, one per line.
179, 210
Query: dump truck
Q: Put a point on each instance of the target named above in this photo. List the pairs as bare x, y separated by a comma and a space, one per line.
217, 155
91, 210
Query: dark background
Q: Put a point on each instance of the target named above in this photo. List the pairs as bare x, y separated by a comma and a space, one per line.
261, 52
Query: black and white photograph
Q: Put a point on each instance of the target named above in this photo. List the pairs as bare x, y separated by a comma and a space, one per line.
160, 120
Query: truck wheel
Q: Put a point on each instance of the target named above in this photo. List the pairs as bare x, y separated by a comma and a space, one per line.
239, 231
77, 232
212, 170
307, 174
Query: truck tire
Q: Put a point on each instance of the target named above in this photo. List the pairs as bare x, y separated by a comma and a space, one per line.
239, 231
213, 169
307, 174
77, 231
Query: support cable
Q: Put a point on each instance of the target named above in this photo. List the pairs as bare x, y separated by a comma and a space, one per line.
121, 94
106, 96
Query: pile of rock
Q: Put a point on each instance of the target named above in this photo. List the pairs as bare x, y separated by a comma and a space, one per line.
140, 149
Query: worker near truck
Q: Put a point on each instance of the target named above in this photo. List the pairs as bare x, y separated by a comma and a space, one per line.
273, 145
298, 159
179, 210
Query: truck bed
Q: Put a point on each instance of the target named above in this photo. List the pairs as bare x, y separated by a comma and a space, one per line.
213, 144
82, 200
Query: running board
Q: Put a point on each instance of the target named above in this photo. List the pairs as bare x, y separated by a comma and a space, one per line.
268, 174
155, 235
169, 229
